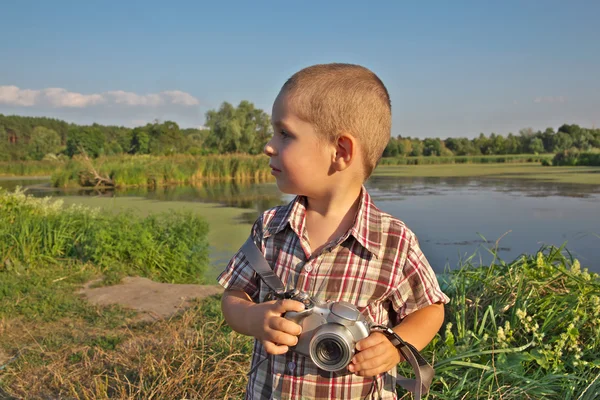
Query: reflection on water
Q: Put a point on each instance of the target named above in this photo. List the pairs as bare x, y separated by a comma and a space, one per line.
452, 217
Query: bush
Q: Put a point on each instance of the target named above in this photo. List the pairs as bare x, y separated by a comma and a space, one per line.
169, 247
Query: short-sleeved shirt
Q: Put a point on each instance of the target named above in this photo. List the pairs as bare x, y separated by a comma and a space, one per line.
376, 265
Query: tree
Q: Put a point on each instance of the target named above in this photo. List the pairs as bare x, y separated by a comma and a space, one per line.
88, 138
140, 141
43, 141
391, 150
242, 129
432, 147
562, 141
536, 146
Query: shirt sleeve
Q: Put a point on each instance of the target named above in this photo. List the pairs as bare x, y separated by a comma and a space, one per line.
418, 287
239, 275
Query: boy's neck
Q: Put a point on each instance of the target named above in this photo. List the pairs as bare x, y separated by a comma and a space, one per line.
335, 203
328, 217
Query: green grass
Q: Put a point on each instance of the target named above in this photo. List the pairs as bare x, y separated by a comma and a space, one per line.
529, 328
29, 168
491, 159
123, 171
525, 329
227, 230
582, 175
168, 247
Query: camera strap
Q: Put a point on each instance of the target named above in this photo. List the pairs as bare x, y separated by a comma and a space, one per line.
423, 371
262, 268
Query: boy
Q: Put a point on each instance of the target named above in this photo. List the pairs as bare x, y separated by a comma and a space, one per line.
331, 124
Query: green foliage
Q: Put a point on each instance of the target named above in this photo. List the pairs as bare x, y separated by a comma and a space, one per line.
244, 129
156, 171
43, 141
526, 329
88, 139
573, 157
166, 247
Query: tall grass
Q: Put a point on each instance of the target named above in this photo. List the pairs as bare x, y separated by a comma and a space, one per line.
575, 157
429, 160
158, 171
166, 247
529, 329
29, 168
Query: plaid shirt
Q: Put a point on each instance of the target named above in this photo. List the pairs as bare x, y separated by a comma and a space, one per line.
377, 266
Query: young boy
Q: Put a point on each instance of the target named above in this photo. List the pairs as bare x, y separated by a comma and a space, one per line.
331, 124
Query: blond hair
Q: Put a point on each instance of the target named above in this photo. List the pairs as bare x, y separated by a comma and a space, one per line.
344, 98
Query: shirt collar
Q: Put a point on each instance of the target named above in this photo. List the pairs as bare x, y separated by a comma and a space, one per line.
366, 228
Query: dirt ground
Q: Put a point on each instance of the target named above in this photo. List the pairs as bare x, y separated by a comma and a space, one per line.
152, 300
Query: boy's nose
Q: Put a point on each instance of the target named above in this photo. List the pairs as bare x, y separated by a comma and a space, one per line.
268, 149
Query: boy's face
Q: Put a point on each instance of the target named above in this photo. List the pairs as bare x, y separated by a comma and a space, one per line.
300, 161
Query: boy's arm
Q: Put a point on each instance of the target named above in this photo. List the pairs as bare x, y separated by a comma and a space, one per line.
377, 354
264, 321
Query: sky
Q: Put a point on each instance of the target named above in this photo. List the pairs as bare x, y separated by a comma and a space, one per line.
452, 68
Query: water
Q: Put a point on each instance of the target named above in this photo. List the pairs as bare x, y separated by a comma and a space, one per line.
453, 218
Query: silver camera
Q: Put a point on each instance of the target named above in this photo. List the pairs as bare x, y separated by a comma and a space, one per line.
330, 331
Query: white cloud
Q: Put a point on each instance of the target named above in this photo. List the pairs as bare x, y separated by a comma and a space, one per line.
58, 97
62, 98
550, 99
183, 98
12, 95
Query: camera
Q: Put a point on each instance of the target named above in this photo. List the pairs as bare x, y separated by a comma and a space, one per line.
330, 331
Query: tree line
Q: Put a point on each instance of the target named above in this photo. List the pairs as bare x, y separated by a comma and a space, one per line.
246, 129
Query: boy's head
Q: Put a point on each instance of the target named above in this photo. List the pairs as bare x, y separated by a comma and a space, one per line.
341, 99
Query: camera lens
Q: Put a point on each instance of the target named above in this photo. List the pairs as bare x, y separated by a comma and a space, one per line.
329, 351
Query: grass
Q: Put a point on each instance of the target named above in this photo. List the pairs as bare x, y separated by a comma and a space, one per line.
580, 175
29, 168
123, 171
168, 247
525, 329
491, 159
227, 228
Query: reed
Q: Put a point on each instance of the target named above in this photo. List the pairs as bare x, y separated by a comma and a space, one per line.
493, 159
29, 168
125, 171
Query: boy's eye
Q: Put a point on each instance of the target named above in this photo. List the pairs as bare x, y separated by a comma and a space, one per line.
284, 133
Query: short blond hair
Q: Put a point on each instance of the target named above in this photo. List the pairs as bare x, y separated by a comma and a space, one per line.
337, 98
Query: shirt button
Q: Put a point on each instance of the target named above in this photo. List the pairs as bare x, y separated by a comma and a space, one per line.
291, 366
308, 268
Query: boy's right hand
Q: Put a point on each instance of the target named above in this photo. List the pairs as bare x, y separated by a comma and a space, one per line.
270, 327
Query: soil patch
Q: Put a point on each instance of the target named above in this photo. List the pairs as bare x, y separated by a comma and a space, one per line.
152, 300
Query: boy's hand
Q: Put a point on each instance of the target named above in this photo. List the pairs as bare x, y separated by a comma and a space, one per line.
376, 354
269, 326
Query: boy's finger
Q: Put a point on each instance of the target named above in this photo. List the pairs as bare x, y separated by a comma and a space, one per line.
368, 353
273, 348
289, 305
372, 340
285, 325
282, 338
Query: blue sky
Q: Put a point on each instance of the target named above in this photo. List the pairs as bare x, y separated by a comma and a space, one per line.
453, 68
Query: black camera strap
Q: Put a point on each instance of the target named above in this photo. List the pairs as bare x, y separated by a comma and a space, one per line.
423, 371
262, 268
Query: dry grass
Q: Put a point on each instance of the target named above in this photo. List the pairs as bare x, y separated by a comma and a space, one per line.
188, 356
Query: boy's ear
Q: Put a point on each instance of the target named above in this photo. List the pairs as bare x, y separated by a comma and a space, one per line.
345, 151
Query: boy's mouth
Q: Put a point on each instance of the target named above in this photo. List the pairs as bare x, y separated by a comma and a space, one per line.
273, 169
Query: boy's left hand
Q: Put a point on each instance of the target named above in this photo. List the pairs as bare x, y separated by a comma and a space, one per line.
376, 354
